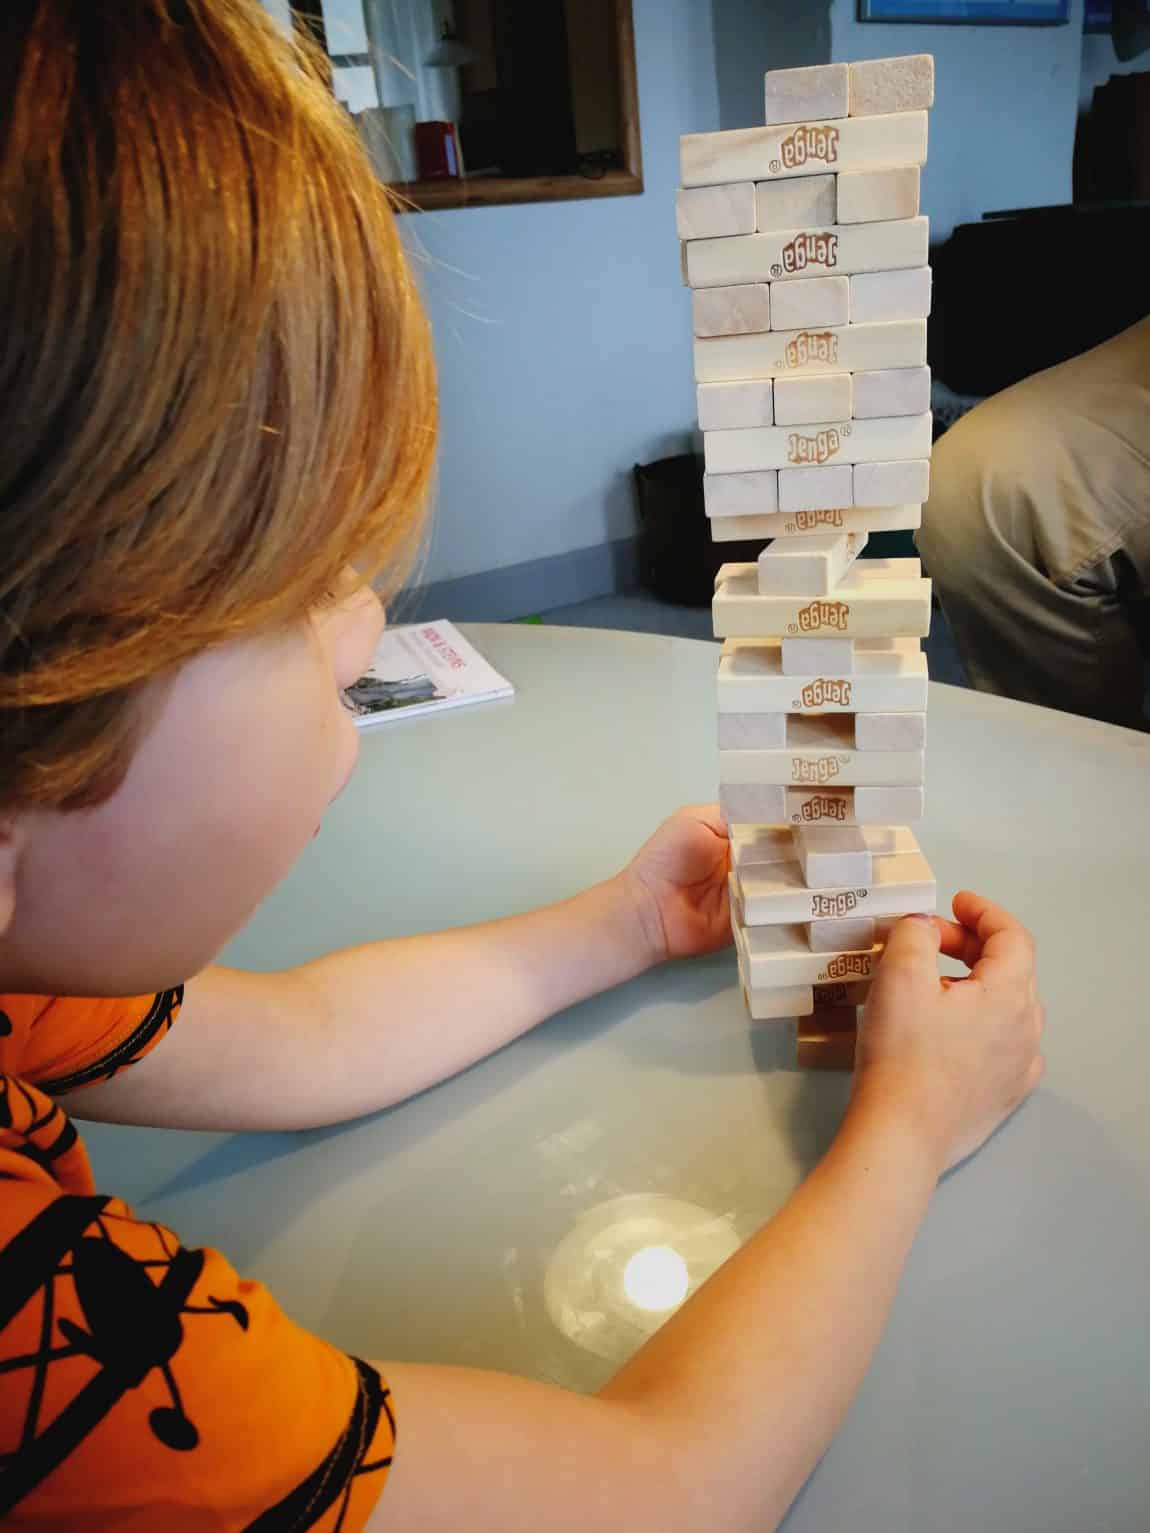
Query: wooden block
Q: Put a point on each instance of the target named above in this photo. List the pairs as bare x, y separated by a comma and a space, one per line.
854, 806
757, 844
683, 263
810, 302
817, 657
804, 203
752, 731
710, 212
733, 406
848, 349
751, 679
890, 295
739, 310
806, 95
867, 573
751, 803
786, 254
861, 608
899, 885
810, 489
778, 152
868, 196
781, 955
888, 805
821, 763
776, 1005
731, 529
737, 496
891, 391
887, 483
813, 565
903, 84
833, 856
814, 658
888, 439
822, 397
839, 934
889, 731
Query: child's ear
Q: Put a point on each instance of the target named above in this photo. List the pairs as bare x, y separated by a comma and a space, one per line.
11, 847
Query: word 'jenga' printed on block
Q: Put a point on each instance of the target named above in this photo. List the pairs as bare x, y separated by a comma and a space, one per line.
847, 349
756, 525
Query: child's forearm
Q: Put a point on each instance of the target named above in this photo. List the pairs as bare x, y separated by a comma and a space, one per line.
361, 1029
398, 1016
766, 1358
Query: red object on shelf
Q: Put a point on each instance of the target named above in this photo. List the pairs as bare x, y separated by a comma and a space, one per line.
437, 151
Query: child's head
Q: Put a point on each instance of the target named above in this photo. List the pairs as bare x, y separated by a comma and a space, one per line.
216, 395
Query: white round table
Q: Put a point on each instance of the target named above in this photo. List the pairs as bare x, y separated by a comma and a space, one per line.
1012, 1390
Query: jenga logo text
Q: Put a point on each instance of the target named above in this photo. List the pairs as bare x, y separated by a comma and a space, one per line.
816, 448
811, 346
819, 769
845, 964
809, 249
826, 689
824, 614
805, 520
810, 141
823, 807
840, 904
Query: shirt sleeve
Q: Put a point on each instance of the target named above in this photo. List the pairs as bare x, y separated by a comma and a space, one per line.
147, 1384
70, 1042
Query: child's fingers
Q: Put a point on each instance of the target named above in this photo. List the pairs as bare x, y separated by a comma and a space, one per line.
911, 951
1007, 948
956, 941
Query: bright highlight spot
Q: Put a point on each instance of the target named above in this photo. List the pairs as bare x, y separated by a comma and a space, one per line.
656, 1278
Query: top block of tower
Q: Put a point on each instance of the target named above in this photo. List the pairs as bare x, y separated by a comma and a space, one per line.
806, 95
881, 86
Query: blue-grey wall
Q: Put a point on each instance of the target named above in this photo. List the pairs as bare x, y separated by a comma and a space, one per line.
562, 334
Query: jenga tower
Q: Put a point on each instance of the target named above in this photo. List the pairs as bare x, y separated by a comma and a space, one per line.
807, 260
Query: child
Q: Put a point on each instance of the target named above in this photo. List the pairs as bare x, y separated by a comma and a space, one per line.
216, 421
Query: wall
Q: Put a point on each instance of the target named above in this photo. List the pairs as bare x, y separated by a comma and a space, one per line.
1006, 105
752, 36
562, 336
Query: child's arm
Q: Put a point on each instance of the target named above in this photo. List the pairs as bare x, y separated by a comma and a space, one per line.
360, 1029
719, 1419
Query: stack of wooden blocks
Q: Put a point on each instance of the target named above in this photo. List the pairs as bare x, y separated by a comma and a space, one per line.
807, 259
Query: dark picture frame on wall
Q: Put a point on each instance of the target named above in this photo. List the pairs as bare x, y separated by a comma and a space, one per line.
1007, 13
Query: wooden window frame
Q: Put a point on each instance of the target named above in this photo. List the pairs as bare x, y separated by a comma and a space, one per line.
488, 191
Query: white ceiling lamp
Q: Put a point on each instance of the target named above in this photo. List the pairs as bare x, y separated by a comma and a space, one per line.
449, 52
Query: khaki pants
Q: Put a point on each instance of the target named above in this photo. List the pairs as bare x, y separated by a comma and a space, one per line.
1037, 533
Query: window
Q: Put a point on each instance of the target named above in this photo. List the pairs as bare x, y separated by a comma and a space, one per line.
471, 102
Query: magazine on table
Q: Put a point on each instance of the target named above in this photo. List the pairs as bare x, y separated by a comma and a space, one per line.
423, 668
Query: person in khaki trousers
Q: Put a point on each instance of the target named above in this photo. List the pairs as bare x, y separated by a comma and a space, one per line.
1037, 534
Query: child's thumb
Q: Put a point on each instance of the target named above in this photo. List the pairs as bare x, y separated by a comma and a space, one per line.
911, 950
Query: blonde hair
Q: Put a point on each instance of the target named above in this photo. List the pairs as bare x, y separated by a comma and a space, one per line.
216, 386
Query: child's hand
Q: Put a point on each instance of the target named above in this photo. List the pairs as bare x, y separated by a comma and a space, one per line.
958, 1054
678, 880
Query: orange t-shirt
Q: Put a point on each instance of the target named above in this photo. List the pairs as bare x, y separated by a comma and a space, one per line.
144, 1385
